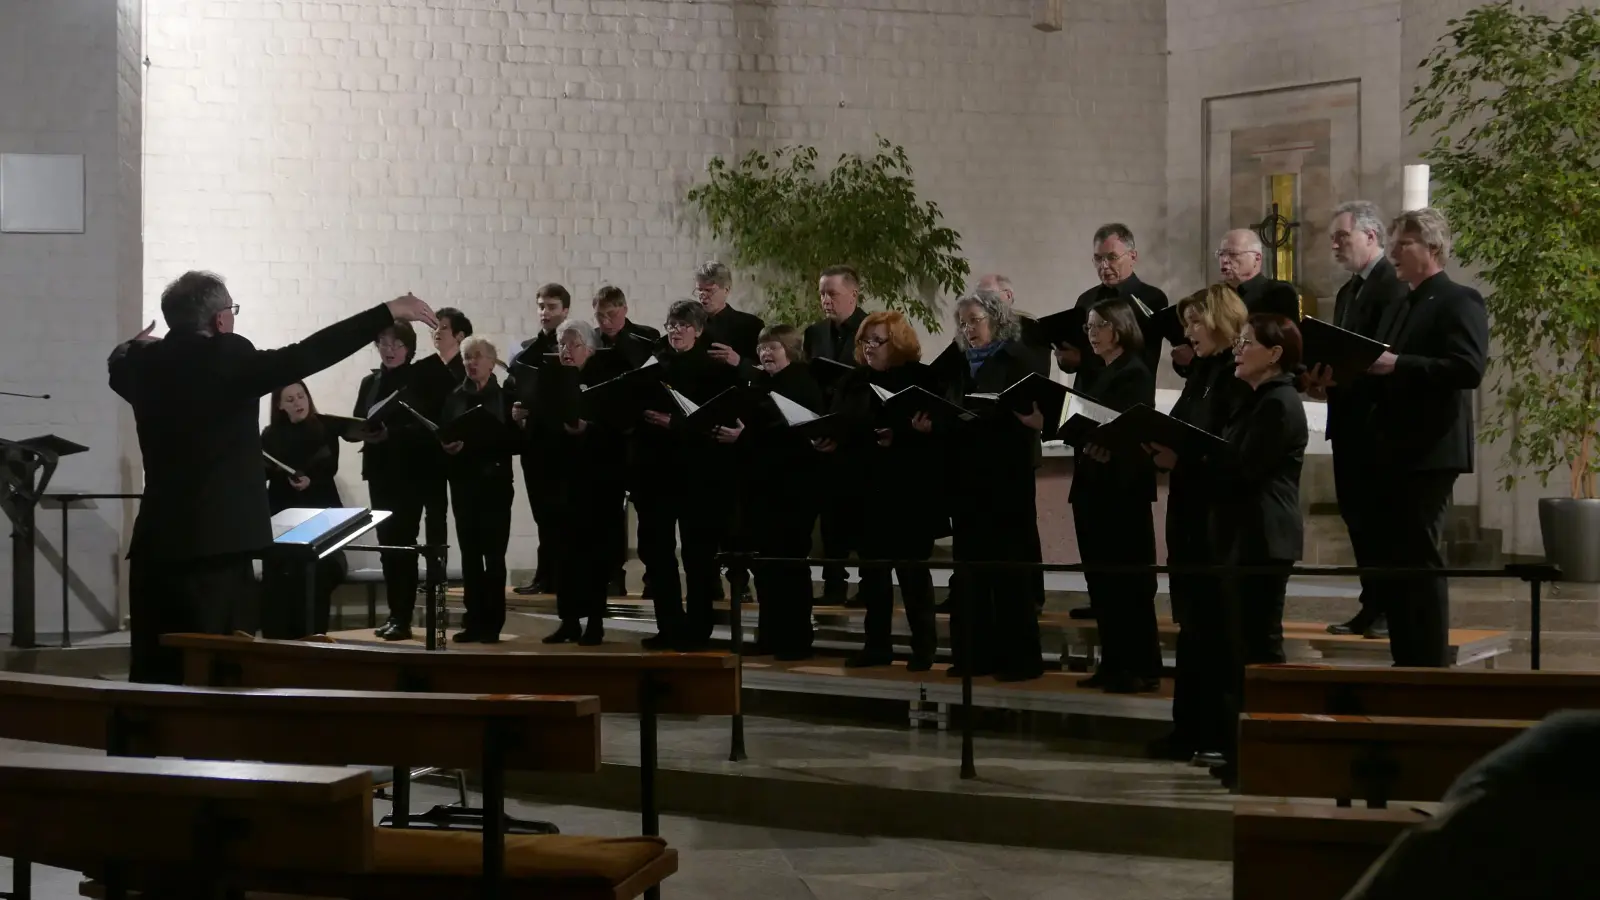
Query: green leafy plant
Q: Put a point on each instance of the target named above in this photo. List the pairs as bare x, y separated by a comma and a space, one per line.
1514, 100
785, 225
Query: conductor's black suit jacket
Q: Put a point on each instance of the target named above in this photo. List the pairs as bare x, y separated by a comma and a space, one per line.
197, 404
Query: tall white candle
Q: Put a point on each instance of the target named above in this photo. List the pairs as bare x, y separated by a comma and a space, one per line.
1415, 193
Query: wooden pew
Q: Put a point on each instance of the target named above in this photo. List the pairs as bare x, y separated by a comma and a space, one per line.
1448, 693
647, 684
1309, 852
181, 822
1371, 758
493, 733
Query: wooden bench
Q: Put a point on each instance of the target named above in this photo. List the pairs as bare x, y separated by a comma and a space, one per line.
180, 822
1448, 693
1373, 758
493, 733
646, 684
1309, 852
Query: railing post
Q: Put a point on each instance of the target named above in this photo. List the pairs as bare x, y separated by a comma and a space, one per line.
66, 575
969, 768
23, 634
736, 629
648, 812
1534, 585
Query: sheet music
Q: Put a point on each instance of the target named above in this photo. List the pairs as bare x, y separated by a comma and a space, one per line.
1139, 305
279, 463
1077, 406
792, 412
1316, 416
426, 422
372, 410
688, 406
652, 361
882, 394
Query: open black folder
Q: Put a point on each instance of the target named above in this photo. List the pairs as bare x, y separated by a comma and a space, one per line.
1141, 424
347, 427
726, 410
477, 427
905, 404
1347, 353
811, 425
621, 401
827, 371
1066, 327
1020, 398
1081, 415
1163, 324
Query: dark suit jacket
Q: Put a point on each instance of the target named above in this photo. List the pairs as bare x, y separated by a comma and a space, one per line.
1256, 497
312, 450
1009, 449
635, 342
409, 452
1350, 406
1125, 383
197, 404
1150, 296
1269, 295
1423, 414
739, 330
819, 339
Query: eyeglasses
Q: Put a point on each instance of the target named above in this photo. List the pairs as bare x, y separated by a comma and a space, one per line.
234, 309
1091, 327
1235, 254
1107, 259
678, 326
972, 323
874, 343
388, 344
1239, 343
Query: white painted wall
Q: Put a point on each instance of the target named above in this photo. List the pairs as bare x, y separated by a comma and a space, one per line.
324, 156
69, 83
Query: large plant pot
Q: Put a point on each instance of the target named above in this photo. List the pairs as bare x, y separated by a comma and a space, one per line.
1571, 532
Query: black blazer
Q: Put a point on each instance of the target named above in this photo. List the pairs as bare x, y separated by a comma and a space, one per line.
659, 453
409, 452
1008, 448
312, 450
737, 329
1125, 383
490, 459
783, 463
819, 338
904, 478
1422, 419
1256, 496
1150, 296
1269, 295
197, 404
1350, 406
634, 351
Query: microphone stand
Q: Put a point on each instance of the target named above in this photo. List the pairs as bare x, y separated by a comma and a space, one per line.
25, 396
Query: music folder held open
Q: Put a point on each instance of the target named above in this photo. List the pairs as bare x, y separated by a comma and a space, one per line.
902, 406
808, 424
1081, 416
1141, 424
1347, 353
1020, 398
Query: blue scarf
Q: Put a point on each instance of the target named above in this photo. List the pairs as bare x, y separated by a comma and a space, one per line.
977, 356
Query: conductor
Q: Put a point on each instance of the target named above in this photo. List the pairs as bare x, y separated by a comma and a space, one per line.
196, 398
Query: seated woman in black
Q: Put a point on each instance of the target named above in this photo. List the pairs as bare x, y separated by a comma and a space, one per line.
391, 456
899, 469
480, 495
1255, 513
686, 482
1212, 320
296, 437
1000, 521
1111, 514
781, 501
589, 456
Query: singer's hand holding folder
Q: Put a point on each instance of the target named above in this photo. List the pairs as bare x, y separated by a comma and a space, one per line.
1347, 353
475, 428
726, 410
1141, 424
1081, 417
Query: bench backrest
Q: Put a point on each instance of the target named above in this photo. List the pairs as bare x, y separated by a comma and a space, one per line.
1370, 758
317, 727
703, 684
1447, 693
79, 811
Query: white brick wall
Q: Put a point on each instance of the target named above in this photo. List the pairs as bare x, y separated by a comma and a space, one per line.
324, 156
69, 84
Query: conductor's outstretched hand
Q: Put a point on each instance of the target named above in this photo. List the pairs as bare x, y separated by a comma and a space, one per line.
410, 309
145, 336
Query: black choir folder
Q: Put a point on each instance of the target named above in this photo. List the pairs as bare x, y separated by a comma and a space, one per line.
1347, 353
555, 394
1141, 424
904, 405
1066, 328
1021, 397
726, 410
1080, 416
475, 427
828, 371
811, 425
348, 427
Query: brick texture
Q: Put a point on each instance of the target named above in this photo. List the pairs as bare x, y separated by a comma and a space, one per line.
69, 83
324, 156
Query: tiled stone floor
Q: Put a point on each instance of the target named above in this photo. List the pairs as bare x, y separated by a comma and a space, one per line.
736, 861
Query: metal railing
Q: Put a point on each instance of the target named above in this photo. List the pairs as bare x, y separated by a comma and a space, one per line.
1534, 574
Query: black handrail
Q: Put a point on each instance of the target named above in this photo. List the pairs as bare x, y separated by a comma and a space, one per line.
1535, 574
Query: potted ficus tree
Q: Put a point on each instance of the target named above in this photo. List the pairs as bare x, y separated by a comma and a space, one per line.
784, 224
1513, 99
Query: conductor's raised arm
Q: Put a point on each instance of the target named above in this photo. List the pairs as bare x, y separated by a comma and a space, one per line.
260, 372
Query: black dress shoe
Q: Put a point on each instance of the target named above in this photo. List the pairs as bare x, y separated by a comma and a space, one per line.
1208, 759
466, 637
866, 659
1098, 679
1378, 629
384, 629
532, 587
567, 633
1359, 623
919, 663
595, 634
1080, 613
397, 632
657, 642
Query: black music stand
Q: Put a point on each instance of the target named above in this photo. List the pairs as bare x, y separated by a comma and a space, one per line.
25, 471
300, 539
